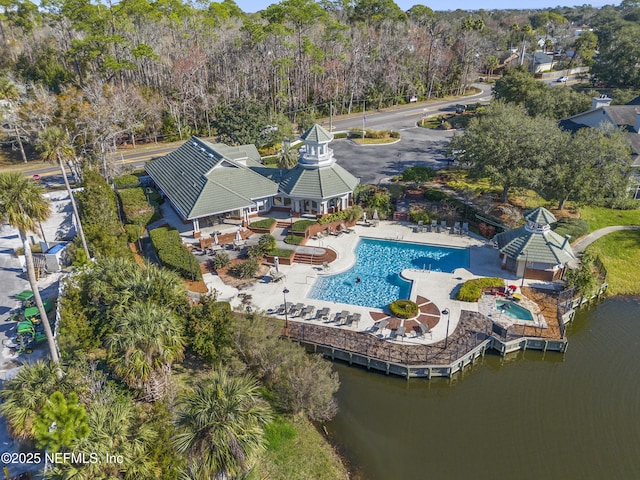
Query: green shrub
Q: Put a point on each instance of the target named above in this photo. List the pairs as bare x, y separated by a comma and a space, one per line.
173, 254
471, 290
435, 195
404, 308
126, 181
134, 232
294, 239
394, 134
265, 223
418, 173
340, 135
418, 214
266, 243
220, 260
246, 269
135, 206
273, 160
349, 215
576, 227
302, 225
621, 203
354, 133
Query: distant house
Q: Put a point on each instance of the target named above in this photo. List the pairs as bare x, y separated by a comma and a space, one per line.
207, 182
535, 251
538, 62
624, 117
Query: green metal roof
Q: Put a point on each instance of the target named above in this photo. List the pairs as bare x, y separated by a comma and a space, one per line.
540, 216
318, 183
545, 247
201, 180
316, 134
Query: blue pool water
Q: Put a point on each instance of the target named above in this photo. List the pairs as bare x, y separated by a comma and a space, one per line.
513, 310
378, 265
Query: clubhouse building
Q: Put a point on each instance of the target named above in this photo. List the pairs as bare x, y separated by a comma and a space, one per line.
208, 182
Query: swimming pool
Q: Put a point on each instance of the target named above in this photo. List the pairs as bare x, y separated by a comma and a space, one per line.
513, 310
378, 266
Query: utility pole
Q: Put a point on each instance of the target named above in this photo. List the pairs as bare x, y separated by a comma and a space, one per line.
331, 117
364, 117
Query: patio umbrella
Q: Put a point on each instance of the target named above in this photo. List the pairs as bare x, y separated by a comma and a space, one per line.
375, 214
215, 239
246, 217
238, 236
364, 217
276, 263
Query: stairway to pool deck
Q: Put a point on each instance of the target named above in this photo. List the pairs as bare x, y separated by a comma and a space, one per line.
283, 224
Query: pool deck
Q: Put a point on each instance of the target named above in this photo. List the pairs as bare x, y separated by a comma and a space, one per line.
437, 287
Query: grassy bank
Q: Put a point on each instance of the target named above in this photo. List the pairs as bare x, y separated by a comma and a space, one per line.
295, 449
600, 217
620, 254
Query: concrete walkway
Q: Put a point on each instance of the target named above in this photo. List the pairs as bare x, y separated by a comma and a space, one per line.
587, 240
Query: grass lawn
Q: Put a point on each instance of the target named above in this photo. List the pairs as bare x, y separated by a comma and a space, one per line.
295, 449
620, 254
302, 225
281, 252
600, 217
264, 223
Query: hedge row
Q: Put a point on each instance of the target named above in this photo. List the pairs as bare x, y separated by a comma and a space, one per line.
126, 181
137, 210
355, 133
173, 254
471, 290
348, 215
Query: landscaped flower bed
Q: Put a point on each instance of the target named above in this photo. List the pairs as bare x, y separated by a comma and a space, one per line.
471, 290
404, 309
266, 225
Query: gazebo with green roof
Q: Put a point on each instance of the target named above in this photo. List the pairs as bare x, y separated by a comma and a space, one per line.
317, 185
535, 251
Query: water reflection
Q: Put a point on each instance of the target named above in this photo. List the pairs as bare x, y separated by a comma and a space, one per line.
528, 415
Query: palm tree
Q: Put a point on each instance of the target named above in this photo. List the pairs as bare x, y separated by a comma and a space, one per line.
147, 340
22, 206
221, 426
116, 429
288, 157
55, 147
26, 394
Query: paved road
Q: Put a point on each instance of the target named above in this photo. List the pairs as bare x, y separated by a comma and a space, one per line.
398, 118
425, 147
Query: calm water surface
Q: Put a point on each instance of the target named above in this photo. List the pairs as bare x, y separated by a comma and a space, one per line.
526, 416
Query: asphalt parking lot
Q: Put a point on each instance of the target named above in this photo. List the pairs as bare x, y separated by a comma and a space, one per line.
377, 163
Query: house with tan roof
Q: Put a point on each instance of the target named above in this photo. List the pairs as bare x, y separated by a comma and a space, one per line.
207, 182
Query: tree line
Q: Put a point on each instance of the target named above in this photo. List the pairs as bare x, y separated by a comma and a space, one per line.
106, 73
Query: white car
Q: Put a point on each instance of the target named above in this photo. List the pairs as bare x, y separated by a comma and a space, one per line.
564, 78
